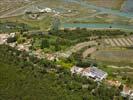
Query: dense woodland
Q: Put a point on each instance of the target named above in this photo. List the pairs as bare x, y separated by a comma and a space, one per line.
25, 77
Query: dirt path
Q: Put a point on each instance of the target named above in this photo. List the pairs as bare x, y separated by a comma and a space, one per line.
111, 66
76, 48
89, 51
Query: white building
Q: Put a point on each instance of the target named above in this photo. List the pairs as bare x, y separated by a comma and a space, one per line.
48, 10
95, 73
3, 38
91, 72
12, 35
76, 69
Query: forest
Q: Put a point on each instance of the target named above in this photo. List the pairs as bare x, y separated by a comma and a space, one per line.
25, 77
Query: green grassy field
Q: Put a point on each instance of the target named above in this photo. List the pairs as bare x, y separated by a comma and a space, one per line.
114, 56
114, 4
43, 24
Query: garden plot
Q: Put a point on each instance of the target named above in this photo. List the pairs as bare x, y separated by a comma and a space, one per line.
119, 42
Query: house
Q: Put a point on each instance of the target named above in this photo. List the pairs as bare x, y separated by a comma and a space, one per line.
48, 10
76, 69
52, 57
90, 72
95, 73
127, 92
3, 38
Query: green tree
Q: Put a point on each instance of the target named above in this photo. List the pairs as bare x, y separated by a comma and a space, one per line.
55, 25
44, 43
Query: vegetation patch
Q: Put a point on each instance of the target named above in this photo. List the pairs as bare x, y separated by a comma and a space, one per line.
40, 79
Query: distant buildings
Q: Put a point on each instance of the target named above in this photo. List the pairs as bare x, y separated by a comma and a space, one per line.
90, 72
35, 9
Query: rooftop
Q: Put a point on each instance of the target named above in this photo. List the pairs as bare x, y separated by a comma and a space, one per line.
92, 72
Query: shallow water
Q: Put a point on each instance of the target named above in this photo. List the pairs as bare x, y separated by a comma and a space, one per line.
104, 10
128, 6
95, 25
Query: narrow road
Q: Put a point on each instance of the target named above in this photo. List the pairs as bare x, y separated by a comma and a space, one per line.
89, 51
76, 48
121, 67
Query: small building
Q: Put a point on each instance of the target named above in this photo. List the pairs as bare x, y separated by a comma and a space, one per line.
95, 73
12, 35
3, 38
48, 10
90, 72
52, 57
127, 92
76, 69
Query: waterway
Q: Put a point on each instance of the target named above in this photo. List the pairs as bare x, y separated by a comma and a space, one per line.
97, 25
105, 10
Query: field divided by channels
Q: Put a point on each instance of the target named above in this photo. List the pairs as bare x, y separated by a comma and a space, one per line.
116, 42
129, 41
125, 41
119, 42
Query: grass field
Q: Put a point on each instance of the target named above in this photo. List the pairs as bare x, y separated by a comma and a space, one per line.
114, 4
121, 57
43, 24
